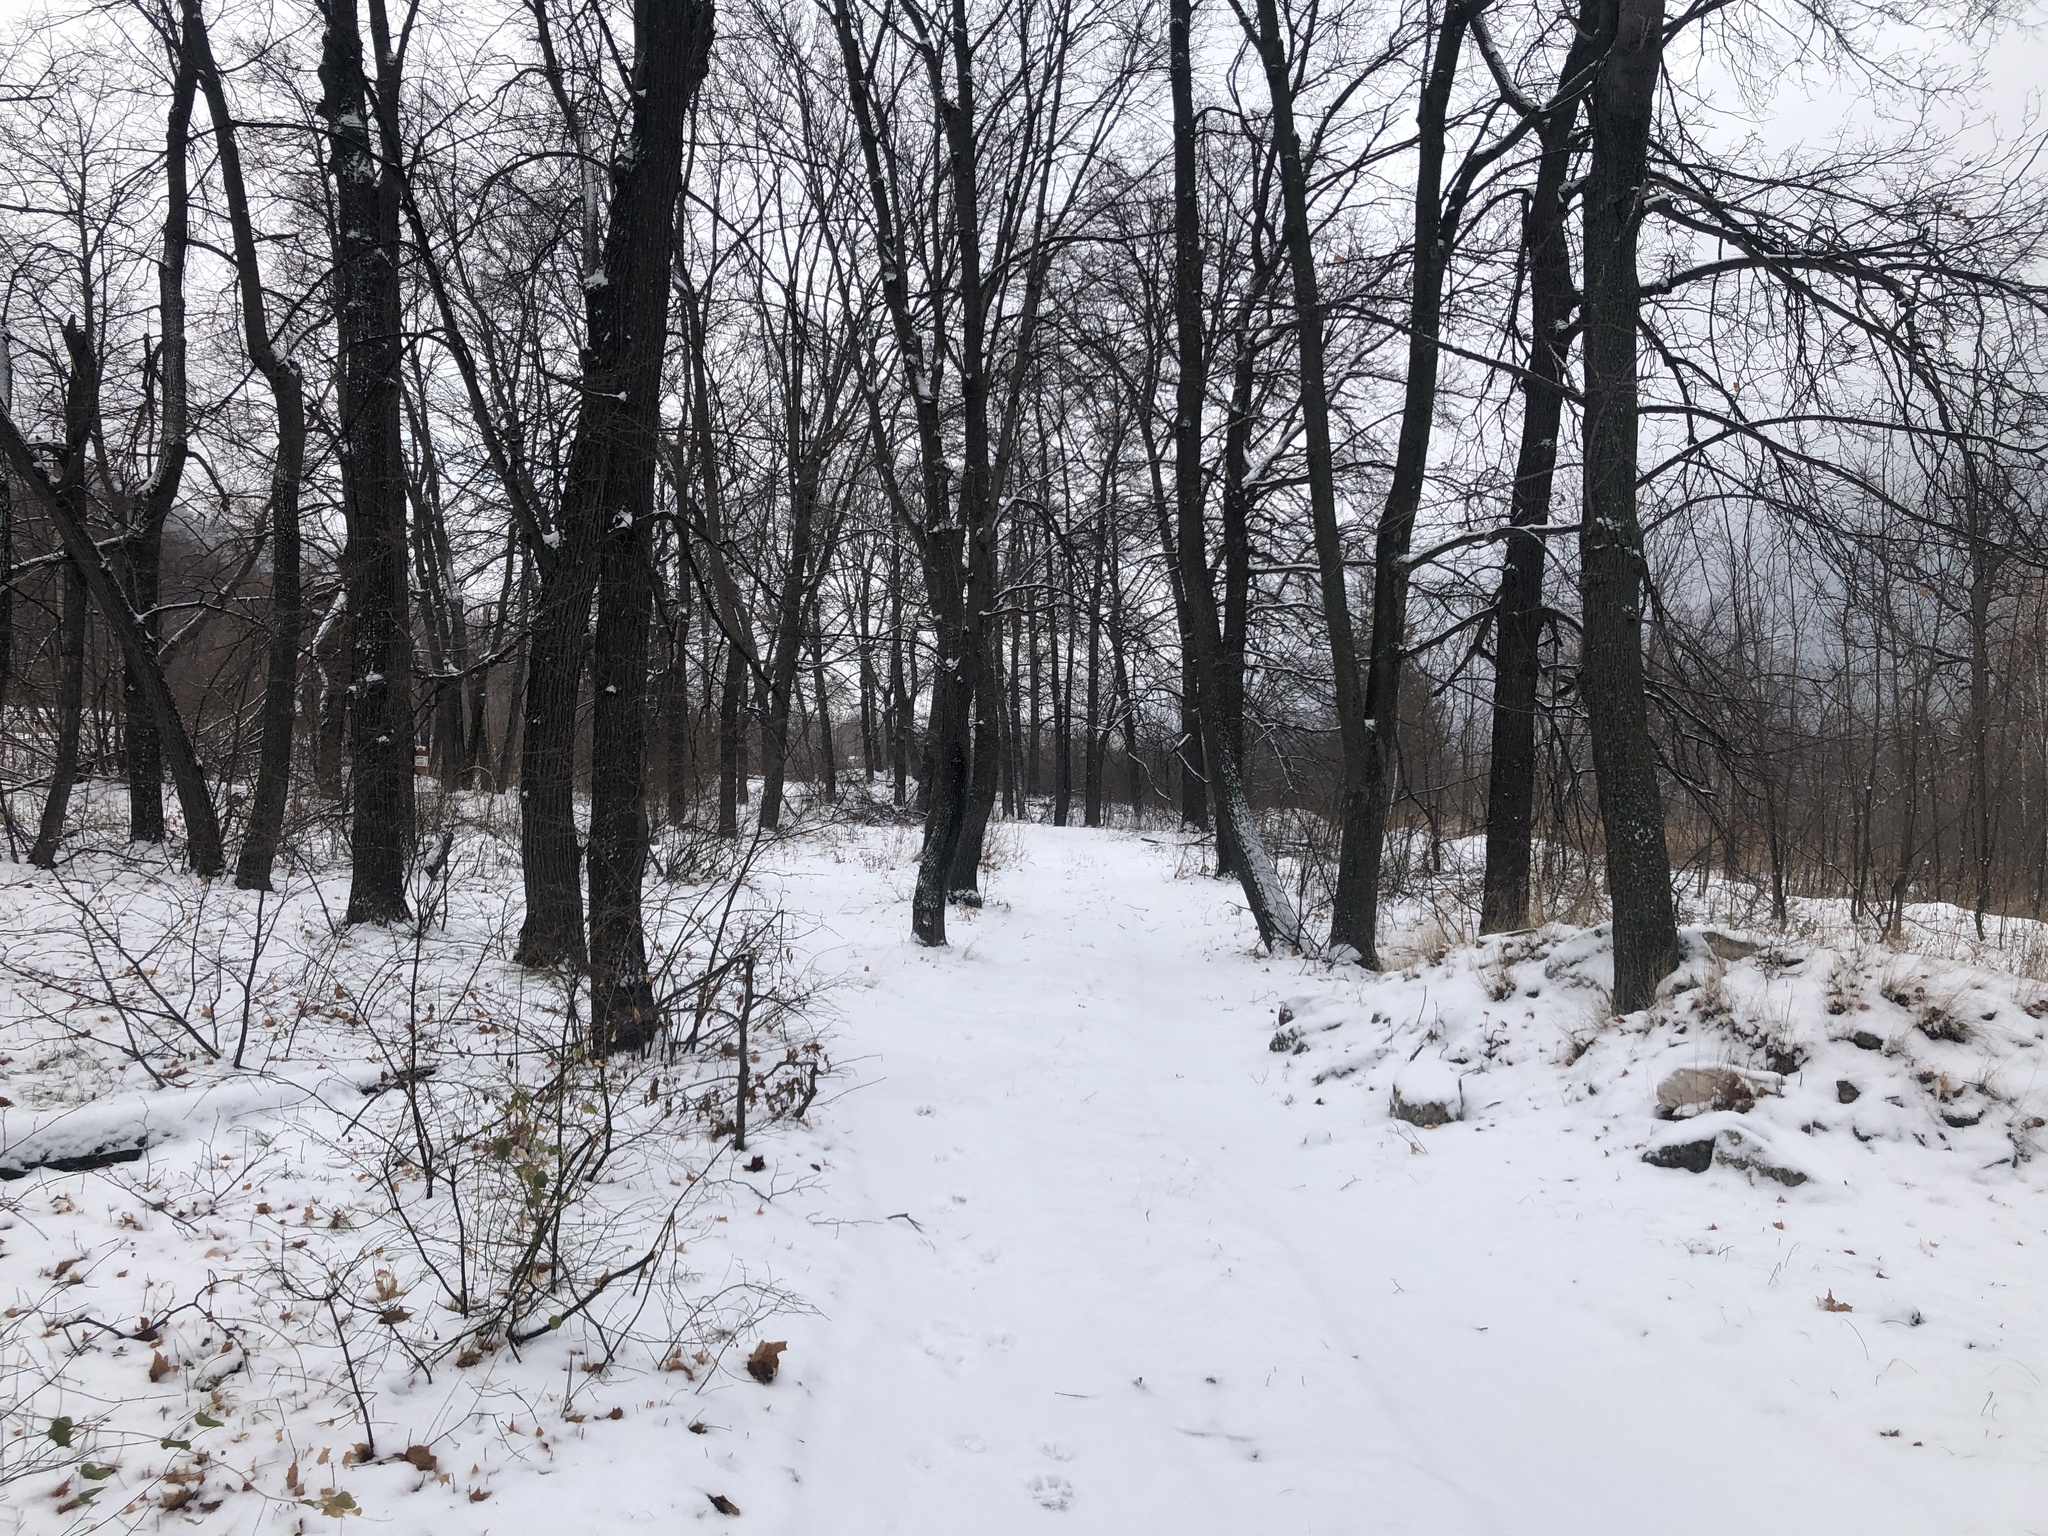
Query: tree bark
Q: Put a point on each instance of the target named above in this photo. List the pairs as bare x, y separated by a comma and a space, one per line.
142, 550
1218, 667
1518, 613
609, 497
1350, 922
1628, 38
1358, 907
202, 825
71, 625
265, 827
944, 530
371, 454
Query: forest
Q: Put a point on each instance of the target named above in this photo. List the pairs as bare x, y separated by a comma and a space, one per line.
546, 550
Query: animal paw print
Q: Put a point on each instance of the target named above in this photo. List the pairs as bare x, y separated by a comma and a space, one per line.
1052, 1490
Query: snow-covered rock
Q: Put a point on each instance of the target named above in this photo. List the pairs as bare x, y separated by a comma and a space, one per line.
1723, 1137
1688, 1090
1428, 1093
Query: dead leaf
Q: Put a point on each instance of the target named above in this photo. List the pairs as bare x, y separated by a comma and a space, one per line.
336, 1502
159, 1367
766, 1360
478, 1495
699, 1427
722, 1504
1829, 1304
758, 1164
422, 1458
178, 1498
391, 1317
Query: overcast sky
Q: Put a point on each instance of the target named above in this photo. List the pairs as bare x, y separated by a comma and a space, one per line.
2001, 77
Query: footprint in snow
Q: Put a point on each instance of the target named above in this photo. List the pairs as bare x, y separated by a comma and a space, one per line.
1052, 1490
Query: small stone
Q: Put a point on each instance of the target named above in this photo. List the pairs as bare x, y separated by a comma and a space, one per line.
1692, 1156
1864, 1040
1846, 1092
1428, 1093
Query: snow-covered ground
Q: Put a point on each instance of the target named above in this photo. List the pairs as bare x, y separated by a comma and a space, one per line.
1102, 1223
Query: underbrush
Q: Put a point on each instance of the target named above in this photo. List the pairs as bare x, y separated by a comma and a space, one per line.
298, 1198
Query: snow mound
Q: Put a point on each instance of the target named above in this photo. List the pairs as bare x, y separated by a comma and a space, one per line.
1801, 1065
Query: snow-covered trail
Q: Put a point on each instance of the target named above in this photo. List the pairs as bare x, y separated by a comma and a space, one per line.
1083, 1254
1077, 1292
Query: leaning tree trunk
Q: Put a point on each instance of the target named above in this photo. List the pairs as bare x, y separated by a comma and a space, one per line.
1219, 691
1352, 909
202, 825
1628, 37
81, 418
1434, 234
265, 826
1518, 613
371, 456
943, 530
71, 627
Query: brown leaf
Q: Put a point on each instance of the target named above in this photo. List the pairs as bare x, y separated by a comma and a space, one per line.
422, 1458
1829, 1304
758, 1164
178, 1498
699, 1427
766, 1360
722, 1504
391, 1317
159, 1367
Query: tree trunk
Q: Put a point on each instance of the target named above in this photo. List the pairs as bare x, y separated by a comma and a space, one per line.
373, 563
265, 826
900, 705
797, 581
142, 550
828, 764
945, 531
1093, 733
1434, 234
71, 627
609, 497
1628, 37
1218, 653
1352, 914
59, 502
1518, 614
